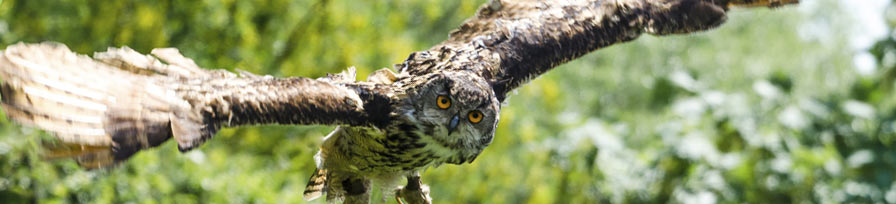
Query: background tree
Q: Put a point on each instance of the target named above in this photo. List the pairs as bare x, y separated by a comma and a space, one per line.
768, 108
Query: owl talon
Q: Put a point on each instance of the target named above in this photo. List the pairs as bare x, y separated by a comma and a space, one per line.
398, 197
418, 196
415, 192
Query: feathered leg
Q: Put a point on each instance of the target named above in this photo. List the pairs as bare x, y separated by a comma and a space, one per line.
415, 192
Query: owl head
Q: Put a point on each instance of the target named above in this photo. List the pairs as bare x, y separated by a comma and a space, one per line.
458, 110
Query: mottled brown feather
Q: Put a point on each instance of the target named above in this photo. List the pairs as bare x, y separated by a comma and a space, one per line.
125, 101
510, 42
316, 185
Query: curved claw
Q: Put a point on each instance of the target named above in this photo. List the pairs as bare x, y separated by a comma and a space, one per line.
398, 196
414, 193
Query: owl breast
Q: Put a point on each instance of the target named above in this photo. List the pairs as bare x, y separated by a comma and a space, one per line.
400, 147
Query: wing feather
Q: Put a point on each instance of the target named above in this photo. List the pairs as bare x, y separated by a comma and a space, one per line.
105, 110
510, 42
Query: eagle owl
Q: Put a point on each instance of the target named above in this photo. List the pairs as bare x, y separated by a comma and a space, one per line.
442, 105
447, 117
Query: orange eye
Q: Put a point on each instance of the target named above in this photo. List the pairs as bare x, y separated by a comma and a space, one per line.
475, 116
443, 102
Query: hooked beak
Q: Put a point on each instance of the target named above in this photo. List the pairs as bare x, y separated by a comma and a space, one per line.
453, 124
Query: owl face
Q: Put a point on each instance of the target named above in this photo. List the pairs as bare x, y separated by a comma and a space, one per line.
459, 110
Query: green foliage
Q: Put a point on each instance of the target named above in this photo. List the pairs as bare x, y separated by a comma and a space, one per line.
751, 112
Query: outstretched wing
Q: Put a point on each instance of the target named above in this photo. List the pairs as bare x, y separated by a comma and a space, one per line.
509, 42
106, 109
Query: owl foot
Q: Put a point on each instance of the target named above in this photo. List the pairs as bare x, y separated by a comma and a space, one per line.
414, 193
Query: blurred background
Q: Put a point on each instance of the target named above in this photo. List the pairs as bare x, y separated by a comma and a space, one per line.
792, 105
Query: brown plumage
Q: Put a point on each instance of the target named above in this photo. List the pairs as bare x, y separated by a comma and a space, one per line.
441, 106
316, 184
105, 110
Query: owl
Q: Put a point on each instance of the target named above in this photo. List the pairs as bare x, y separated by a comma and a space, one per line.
443, 117
441, 106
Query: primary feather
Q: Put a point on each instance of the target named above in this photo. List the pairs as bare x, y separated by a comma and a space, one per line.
101, 114
106, 109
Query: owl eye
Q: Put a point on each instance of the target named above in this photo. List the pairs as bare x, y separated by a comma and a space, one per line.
475, 116
443, 102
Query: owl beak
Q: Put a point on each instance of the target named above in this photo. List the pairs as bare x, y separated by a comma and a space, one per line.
453, 124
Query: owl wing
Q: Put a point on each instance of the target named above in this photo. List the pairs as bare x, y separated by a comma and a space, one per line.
509, 42
104, 110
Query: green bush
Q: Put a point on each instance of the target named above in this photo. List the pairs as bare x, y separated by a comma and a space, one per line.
751, 112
